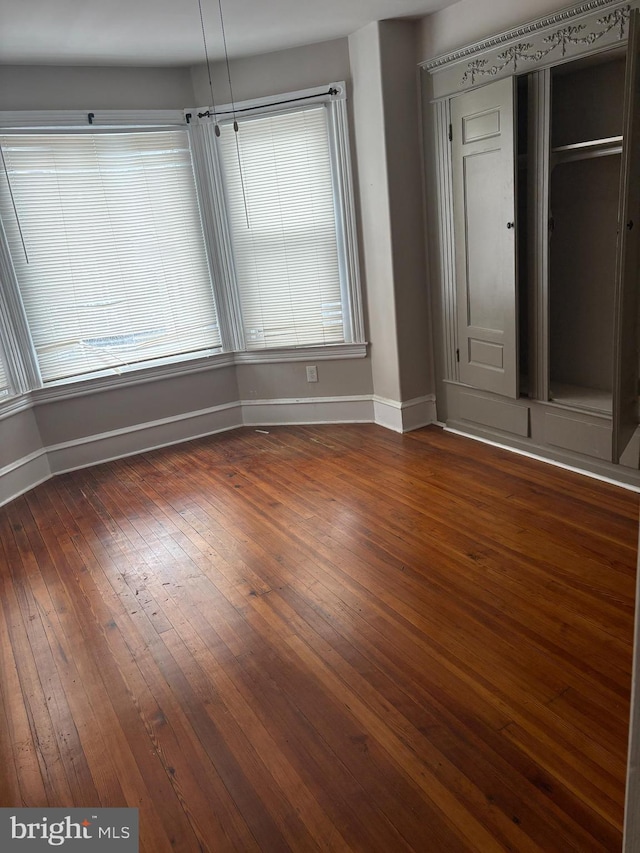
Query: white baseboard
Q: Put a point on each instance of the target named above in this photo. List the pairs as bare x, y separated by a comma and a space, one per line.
419, 412
308, 410
25, 473
406, 416
387, 413
116, 444
22, 475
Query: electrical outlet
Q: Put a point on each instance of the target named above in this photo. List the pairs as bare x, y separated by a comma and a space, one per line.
312, 373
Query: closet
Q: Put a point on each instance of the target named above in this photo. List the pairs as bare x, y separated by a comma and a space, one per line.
538, 177
584, 188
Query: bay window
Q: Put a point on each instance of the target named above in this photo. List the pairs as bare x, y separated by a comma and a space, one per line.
132, 244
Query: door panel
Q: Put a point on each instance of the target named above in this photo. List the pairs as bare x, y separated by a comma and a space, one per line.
625, 357
483, 158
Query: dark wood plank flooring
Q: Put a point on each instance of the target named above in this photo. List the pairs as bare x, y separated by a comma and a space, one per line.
323, 638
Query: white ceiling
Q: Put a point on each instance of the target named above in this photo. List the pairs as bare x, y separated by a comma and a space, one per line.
168, 32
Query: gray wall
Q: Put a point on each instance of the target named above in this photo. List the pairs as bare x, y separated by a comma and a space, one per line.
19, 437
373, 186
288, 380
65, 420
273, 73
22, 460
472, 20
385, 104
402, 138
79, 88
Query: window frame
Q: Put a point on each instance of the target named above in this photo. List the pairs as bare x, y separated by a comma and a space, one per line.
202, 121
13, 321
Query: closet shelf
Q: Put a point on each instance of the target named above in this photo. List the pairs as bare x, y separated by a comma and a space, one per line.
578, 397
592, 143
586, 150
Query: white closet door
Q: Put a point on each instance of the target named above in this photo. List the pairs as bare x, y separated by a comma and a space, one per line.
484, 169
625, 336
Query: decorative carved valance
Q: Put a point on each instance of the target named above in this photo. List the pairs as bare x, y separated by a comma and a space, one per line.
574, 32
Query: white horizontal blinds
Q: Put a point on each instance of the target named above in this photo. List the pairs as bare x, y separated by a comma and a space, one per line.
284, 243
117, 272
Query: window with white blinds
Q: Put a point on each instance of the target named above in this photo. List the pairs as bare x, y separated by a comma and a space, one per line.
281, 208
113, 271
140, 240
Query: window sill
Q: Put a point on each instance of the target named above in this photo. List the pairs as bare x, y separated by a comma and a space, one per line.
329, 352
67, 389
104, 381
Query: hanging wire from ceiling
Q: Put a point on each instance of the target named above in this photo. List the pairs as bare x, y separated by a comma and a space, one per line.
214, 112
226, 57
233, 111
206, 56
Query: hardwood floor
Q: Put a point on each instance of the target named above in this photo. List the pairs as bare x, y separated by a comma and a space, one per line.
323, 638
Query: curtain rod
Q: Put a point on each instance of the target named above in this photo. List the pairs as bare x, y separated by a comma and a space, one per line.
209, 114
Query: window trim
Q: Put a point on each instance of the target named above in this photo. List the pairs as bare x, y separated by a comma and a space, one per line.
343, 187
